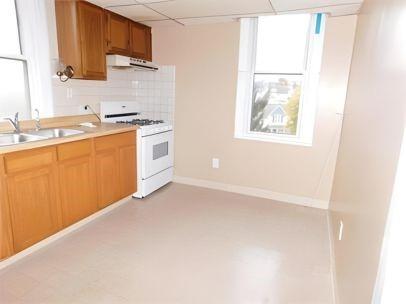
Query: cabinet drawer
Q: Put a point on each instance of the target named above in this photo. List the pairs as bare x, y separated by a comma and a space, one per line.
19, 161
75, 149
115, 141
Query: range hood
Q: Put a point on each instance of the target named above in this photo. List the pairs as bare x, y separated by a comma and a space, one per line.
119, 61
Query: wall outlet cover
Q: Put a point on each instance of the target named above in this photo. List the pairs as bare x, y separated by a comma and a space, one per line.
215, 163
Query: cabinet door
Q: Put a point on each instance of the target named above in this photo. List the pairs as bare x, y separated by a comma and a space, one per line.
33, 205
78, 189
107, 171
118, 34
141, 41
128, 171
6, 239
91, 28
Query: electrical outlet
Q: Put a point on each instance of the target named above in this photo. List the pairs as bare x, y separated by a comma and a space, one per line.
83, 110
215, 163
341, 231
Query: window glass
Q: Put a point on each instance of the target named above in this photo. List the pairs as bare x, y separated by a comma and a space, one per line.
13, 93
10, 42
282, 43
275, 105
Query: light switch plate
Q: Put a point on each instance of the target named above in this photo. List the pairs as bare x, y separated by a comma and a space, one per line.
215, 163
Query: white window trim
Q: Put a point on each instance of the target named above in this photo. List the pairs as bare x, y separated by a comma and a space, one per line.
309, 96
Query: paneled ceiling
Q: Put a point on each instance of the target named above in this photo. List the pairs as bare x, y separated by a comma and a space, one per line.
187, 12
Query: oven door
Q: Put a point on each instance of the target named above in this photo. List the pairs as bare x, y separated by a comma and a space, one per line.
157, 153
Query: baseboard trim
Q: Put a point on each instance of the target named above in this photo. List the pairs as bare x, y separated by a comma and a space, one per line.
276, 196
68, 230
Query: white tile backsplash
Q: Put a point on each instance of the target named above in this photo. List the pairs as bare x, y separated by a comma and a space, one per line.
154, 92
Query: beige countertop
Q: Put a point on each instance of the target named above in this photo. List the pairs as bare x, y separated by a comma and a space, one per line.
101, 129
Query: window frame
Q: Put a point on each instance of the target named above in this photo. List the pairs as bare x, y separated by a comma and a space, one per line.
310, 80
21, 58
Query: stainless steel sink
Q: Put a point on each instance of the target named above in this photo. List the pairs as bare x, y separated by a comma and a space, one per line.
7, 139
55, 133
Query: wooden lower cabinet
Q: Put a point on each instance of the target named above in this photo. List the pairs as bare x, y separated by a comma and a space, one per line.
108, 184
77, 179
6, 237
128, 170
33, 201
45, 189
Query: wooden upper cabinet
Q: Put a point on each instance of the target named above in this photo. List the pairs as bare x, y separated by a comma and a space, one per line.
126, 37
81, 38
141, 41
117, 34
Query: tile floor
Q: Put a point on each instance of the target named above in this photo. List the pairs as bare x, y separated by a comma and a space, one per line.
183, 245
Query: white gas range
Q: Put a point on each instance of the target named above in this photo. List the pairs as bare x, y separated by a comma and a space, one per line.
154, 145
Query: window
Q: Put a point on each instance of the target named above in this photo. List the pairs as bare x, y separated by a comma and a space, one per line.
14, 96
280, 58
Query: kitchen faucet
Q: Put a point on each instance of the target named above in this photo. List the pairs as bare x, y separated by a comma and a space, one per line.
37, 120
15, 123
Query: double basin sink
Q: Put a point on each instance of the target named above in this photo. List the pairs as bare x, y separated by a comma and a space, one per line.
7, 139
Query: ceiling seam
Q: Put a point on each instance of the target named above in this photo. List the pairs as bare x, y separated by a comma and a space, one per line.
320, 7
166, 16
273, 7
137, 3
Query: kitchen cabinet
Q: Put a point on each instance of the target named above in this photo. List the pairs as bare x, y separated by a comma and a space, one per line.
6, 240
126, 37
141, 46
116, 167
117, 34
81, 38
32, 195
107, 177
77, 178
45, 189
128, 170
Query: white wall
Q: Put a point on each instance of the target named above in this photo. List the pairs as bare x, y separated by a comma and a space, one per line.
373, 127
206, 59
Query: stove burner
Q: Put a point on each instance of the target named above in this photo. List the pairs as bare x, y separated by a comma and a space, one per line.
141, 122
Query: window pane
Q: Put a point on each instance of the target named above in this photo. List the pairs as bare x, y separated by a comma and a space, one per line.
13, 96
10, 43
281, 43
276, 101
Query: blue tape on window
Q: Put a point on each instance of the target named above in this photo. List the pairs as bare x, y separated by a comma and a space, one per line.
318, 23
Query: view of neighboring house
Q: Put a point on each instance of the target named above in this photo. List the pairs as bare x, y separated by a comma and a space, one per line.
271, 104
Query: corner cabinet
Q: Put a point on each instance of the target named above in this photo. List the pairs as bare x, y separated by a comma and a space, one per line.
81, 38
128, 38
141, 46
43, 190
117, 34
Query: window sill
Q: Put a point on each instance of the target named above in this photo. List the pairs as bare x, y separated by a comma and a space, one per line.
275, 139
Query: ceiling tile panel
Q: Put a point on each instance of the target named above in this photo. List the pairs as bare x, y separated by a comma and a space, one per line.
287, 5
206, 8
105, 3
137, 12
